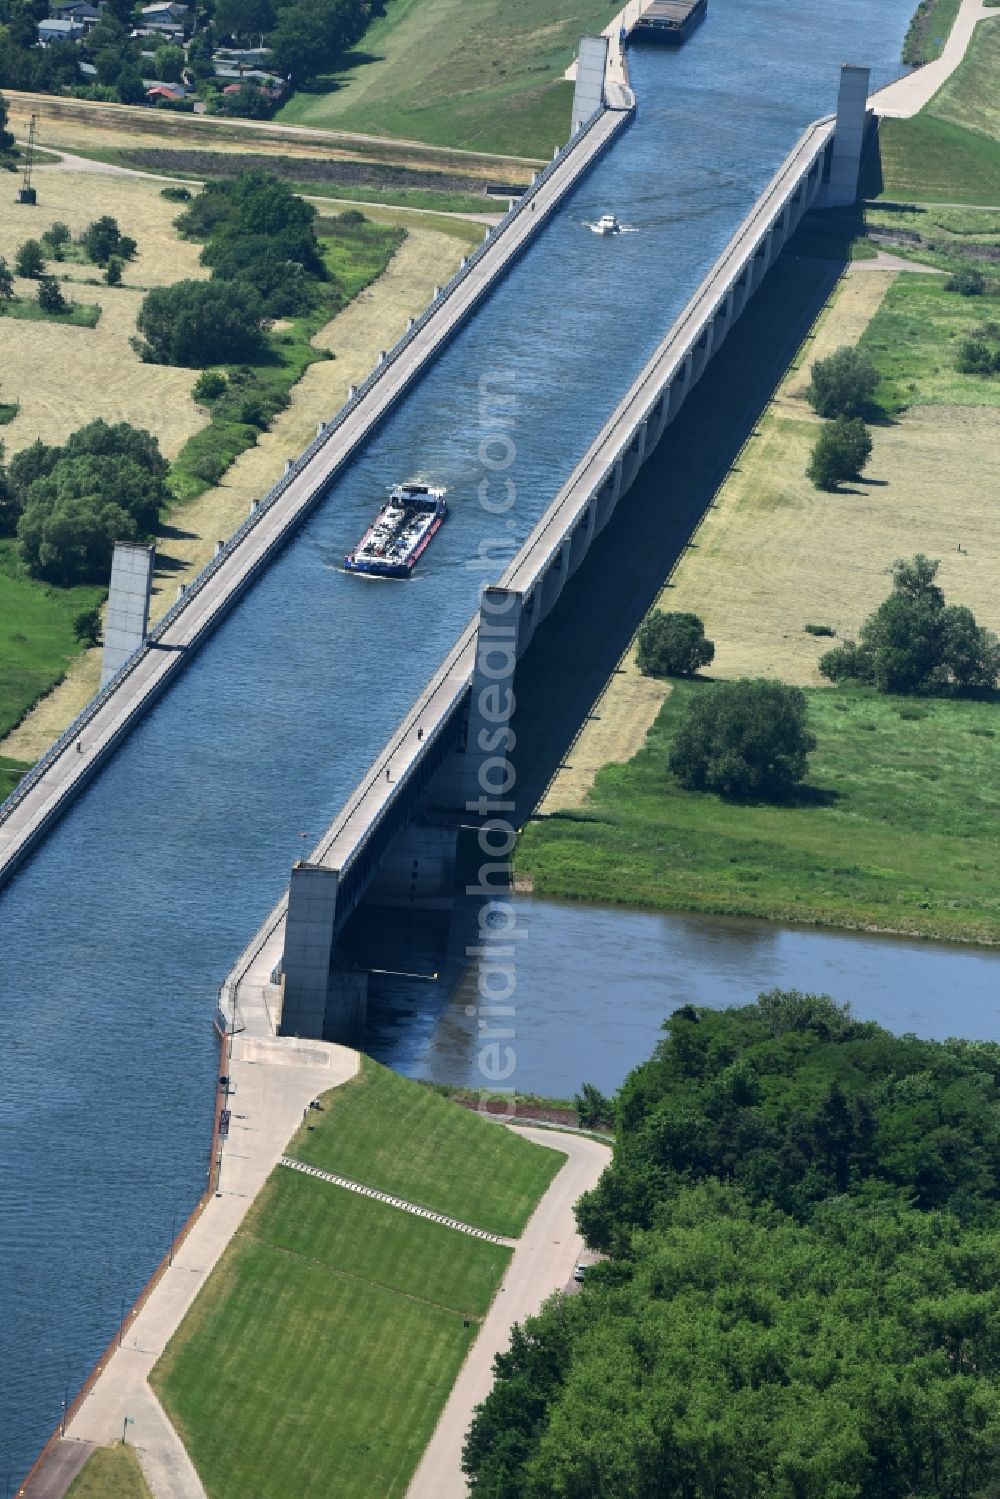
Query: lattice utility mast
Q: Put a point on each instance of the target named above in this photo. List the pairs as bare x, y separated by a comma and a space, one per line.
27, 193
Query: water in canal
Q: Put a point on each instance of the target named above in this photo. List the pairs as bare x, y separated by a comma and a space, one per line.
114, 938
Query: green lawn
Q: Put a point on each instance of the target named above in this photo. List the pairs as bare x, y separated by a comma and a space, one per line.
334, 1326
929, 30
110, 1473
914, 339
898, 830
77, 314
356, 254
950, 152
483, 77
36, 636
452, 1162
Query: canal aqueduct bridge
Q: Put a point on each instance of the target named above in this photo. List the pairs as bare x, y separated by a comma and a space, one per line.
397, 830
446, 762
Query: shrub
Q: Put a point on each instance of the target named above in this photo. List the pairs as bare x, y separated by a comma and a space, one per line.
30, 259
843, 384
672, 645
113, 271
87, 626
176, 194
743, 739
841, 451
195, 323
6, 282
103, 238
210, 385
57, 234
967, 283
819, 629
209, 466
50, 297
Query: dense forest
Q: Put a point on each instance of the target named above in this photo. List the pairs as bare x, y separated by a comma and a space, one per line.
799, 1297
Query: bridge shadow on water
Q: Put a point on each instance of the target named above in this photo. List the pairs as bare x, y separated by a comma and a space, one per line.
420, 968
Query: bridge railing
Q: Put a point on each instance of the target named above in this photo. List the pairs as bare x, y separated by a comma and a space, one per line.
106, 693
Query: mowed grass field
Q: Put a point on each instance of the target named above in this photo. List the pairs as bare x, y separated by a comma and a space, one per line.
950, 152
467, 73
453, 1161
336, 1325
110, 1473
898, 828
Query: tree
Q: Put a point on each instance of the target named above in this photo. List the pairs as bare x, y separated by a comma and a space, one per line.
50, 297
914, 642
210, 385
843, 384
6, 282
673, 645
194, 323
594, 1109
30, 259
7, 141
840, 451
243, 18
975, 357
57, 235
87, 626
102, 239
168, 63
72, 541
113, 271
743, 739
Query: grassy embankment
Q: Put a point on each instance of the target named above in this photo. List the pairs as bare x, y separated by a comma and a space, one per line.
896, 829
337, 1325
110, 1473
929, 30
76, 315
450, 73
950, 152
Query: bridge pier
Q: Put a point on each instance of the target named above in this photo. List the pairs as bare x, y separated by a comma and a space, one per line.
849, 138
487, 777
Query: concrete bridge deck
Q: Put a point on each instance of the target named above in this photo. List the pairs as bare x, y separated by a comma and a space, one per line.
75, 758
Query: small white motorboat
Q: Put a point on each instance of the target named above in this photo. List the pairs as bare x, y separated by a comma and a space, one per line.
607, 224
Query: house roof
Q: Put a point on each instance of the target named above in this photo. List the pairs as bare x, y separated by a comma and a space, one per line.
60, 28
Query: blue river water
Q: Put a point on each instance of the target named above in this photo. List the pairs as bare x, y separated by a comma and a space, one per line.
113, 940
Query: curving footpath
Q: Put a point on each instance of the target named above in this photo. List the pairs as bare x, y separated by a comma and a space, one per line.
542, 1263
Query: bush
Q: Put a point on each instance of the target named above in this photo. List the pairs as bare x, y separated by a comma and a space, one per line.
103, 238
113, 271
841, 451
176, 194
30, 259
914, 642
87, 626
744, 739
210, 385
6, 282
843, 384
975, 357
50, 297
194, 323
673, 645
819, 629
967, 283
57, 234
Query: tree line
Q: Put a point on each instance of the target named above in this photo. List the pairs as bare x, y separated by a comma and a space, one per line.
800, 1225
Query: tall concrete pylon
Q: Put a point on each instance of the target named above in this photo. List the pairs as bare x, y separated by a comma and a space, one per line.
128, 605
588, 95
849, 138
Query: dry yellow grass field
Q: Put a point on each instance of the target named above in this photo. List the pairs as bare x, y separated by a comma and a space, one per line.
373, 321
774, 554
62, 376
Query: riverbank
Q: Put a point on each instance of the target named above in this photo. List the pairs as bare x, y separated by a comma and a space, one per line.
895, 829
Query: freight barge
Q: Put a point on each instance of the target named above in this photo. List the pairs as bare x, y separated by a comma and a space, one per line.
400, 533
669, 22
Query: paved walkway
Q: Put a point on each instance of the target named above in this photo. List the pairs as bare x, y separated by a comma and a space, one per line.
394, 1202
907, 96
274, 1082
543, 1262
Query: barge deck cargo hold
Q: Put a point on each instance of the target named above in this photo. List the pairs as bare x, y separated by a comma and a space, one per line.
400, 533
668, 21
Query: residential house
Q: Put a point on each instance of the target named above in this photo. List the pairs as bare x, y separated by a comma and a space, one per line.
59, 31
